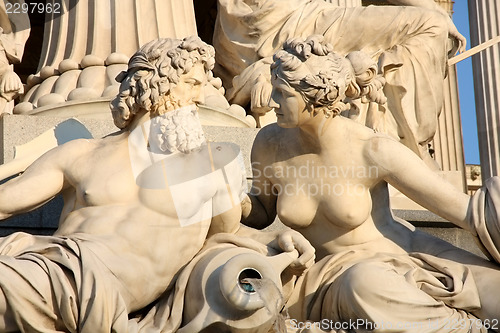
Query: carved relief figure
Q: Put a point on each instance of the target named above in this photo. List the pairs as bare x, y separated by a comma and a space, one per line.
326, 176
409, 44
14, 31
139, 203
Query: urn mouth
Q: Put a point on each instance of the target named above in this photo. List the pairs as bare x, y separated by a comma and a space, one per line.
244, 275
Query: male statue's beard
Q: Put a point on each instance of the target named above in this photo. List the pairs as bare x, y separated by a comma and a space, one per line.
177, 131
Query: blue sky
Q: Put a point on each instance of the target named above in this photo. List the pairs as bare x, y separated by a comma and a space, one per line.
466, 88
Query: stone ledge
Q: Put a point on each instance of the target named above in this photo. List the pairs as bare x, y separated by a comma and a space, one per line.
441, 228
422, 218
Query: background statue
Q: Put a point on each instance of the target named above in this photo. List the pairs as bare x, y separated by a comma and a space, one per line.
327, 176
14, 31
408, 43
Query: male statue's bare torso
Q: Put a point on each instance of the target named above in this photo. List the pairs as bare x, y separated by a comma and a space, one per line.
139, 224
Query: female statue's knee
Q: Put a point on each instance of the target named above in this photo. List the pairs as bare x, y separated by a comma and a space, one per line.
361, 277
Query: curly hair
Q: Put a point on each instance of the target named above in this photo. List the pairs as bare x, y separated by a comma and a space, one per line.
153, 71
324, 78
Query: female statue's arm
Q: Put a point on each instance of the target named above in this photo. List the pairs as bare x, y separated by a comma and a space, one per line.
259, 207
460, 41
404, 170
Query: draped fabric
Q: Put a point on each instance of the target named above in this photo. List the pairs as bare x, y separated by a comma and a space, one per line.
484, 216
55, 284
419, 290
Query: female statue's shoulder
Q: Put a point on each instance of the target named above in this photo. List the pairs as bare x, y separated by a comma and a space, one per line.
269, 134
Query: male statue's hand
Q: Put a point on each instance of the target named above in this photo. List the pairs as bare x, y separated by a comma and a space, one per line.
290, 240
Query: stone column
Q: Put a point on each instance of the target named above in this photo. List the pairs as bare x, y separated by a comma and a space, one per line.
484, 25
89, 42
447, 143
102, 27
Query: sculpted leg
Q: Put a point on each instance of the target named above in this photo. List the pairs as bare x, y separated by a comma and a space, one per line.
376, 297
488, 281
486, 273
487, 278
26, 298
7, 321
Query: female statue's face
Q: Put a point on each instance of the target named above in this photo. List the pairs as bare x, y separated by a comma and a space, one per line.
288, 104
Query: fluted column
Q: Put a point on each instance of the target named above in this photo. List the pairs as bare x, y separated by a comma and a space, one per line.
448, 143
484, 25
90, 41
102, 27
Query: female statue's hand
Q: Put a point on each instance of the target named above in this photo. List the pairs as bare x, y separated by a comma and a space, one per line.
260, 96
459, 41
290, 240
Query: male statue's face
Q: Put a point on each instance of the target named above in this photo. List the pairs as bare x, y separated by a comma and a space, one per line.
189, 89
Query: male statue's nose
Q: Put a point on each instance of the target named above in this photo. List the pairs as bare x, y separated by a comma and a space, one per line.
200, 99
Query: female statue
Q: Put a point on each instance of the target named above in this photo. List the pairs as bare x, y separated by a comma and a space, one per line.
326, 176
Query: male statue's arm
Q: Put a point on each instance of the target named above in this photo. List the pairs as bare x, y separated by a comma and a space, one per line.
460, 40
41, 182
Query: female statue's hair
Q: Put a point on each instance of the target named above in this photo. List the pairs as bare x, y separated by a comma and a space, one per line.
325, 79
153, 71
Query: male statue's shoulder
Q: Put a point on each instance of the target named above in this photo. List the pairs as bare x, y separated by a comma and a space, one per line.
77, 146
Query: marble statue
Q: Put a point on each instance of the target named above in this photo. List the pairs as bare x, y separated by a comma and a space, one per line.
327, 177
408, 43
139, 205
14, 31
